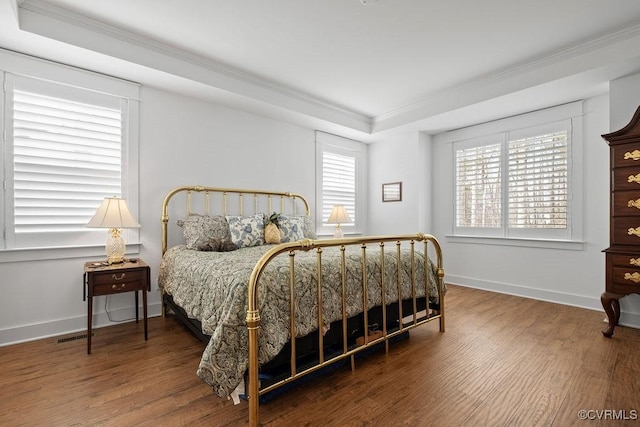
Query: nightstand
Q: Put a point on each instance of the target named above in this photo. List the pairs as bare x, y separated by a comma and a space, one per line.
132, 275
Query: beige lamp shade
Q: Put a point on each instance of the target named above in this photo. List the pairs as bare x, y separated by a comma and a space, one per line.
338, 216
113, 214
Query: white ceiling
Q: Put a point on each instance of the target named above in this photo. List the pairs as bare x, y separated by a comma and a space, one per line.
357, 70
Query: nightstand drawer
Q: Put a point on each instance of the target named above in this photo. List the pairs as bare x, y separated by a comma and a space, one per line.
109, 277
115, 287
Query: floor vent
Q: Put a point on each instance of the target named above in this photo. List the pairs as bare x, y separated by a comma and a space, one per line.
77, 337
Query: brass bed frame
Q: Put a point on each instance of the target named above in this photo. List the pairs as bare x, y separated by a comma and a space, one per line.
291, 201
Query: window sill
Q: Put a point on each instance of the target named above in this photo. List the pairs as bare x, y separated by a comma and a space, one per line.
571, 245
64, 252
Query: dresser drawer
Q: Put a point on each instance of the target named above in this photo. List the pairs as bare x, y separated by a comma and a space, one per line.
626, 231
626, 155
626, 179
626, 280
626, 203
628, 261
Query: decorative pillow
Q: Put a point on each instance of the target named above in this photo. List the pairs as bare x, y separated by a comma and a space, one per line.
199, 229
309, 228
292, 228
217, 245
246, 230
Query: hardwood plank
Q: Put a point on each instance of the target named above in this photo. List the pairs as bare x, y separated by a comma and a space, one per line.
504, 360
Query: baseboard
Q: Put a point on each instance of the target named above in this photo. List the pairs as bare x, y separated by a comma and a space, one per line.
630, 319
627, 318
69, 325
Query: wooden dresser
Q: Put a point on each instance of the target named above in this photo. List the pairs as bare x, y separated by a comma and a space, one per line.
623, 254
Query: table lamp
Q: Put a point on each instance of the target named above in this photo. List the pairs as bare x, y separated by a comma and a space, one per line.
338, 215
113, 214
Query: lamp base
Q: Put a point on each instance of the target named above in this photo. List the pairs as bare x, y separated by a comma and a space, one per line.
115, 260
115, 247
337, 233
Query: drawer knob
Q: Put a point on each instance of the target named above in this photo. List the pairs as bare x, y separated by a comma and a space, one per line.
635, 277
634, 231
634, 261
634, 178
633, 203
116, 286
633, 155
117, 277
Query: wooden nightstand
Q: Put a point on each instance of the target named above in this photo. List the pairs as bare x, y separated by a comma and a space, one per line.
103, 279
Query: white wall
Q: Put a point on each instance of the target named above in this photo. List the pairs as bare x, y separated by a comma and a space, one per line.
404, 157
624, 100
183, 141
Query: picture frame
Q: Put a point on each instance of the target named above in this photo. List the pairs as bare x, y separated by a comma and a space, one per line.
392, 192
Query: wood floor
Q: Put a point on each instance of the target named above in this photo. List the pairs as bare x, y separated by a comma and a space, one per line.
503, 361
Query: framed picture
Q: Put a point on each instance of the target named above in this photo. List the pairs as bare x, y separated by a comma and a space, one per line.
392, 192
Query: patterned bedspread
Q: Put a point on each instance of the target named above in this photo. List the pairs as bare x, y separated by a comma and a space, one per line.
212, 287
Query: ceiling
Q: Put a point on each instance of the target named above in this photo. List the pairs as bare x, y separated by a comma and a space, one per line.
339, 65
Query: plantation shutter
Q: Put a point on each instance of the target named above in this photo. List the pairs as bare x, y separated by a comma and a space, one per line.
341, 179
538, 177
67, 156
478, 186
339, 184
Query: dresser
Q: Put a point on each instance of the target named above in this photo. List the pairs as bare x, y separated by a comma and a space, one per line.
623, 253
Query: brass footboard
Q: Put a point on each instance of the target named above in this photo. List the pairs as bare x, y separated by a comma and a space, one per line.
253, 315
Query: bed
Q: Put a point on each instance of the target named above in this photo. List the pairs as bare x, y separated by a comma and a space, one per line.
247, 299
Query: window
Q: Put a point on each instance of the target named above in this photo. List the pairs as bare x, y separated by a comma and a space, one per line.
521, 182
341, 174
66, 148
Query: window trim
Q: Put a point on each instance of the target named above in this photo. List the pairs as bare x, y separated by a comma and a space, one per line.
60, 74
573, 240
347, 147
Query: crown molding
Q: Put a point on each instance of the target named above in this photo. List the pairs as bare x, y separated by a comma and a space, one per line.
60, 24
520, 71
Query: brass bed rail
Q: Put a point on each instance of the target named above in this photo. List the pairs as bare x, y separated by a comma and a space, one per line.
253, 315
224, 208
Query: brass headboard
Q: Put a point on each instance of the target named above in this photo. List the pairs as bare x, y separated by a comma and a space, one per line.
240, 196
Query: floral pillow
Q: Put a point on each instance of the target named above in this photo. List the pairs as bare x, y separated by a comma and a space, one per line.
246, 230
199, 229
292, 228
308, 228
